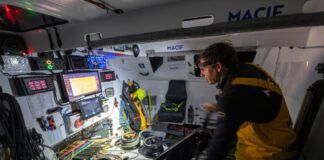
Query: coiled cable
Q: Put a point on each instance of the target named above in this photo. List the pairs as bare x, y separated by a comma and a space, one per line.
23, 144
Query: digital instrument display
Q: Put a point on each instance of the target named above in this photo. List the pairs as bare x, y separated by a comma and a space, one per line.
96, 62
33, 85
107, 76
109, 92
37, 85
90, 107
80, 84
77, 62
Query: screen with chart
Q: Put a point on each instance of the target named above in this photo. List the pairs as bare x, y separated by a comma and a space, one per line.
80, 84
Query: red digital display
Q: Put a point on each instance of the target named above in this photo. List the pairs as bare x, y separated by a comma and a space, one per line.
37, 85
108, 76
32, 85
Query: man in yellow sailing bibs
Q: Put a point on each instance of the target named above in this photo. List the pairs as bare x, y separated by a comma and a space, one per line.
251, 108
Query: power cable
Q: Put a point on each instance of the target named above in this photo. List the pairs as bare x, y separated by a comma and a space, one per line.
23, 143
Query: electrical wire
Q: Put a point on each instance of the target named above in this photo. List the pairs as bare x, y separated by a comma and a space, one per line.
57, 102
23, 143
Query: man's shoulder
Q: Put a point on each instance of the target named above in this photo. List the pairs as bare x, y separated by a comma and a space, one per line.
249, 70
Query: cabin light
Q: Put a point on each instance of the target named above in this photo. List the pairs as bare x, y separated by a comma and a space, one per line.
7, 8
30, 51
48, 62
198, 21
92, 36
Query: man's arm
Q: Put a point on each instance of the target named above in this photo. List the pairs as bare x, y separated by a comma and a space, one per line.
209, 107
223, 138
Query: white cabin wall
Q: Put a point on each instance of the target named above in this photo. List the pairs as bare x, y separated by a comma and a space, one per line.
154, 19
267, 58
125, 70
294, 70
316, 37
261, 39
199, 92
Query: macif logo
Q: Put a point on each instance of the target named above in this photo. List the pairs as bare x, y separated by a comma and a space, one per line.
175, 47
261, 12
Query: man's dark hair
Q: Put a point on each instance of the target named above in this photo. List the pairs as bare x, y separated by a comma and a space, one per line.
221, 52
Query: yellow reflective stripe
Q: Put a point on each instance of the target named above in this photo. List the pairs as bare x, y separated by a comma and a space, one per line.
255, 82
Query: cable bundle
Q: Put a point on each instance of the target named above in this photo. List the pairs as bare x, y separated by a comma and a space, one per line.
130, 141
23, 144
151, 148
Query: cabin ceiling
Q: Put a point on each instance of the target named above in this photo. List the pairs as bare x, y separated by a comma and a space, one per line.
81, 10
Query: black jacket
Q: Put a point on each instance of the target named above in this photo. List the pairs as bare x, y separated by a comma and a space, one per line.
238, 104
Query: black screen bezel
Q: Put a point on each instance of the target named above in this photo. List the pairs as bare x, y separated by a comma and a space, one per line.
65, 95
82, 111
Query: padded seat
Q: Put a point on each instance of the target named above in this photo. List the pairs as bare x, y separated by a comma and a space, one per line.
174, 108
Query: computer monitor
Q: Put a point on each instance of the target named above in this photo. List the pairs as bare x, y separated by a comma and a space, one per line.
78, 84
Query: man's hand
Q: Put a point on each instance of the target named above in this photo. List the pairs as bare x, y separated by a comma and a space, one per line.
209, 107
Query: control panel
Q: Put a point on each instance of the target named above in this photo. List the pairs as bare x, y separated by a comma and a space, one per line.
46, 63
32, 85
